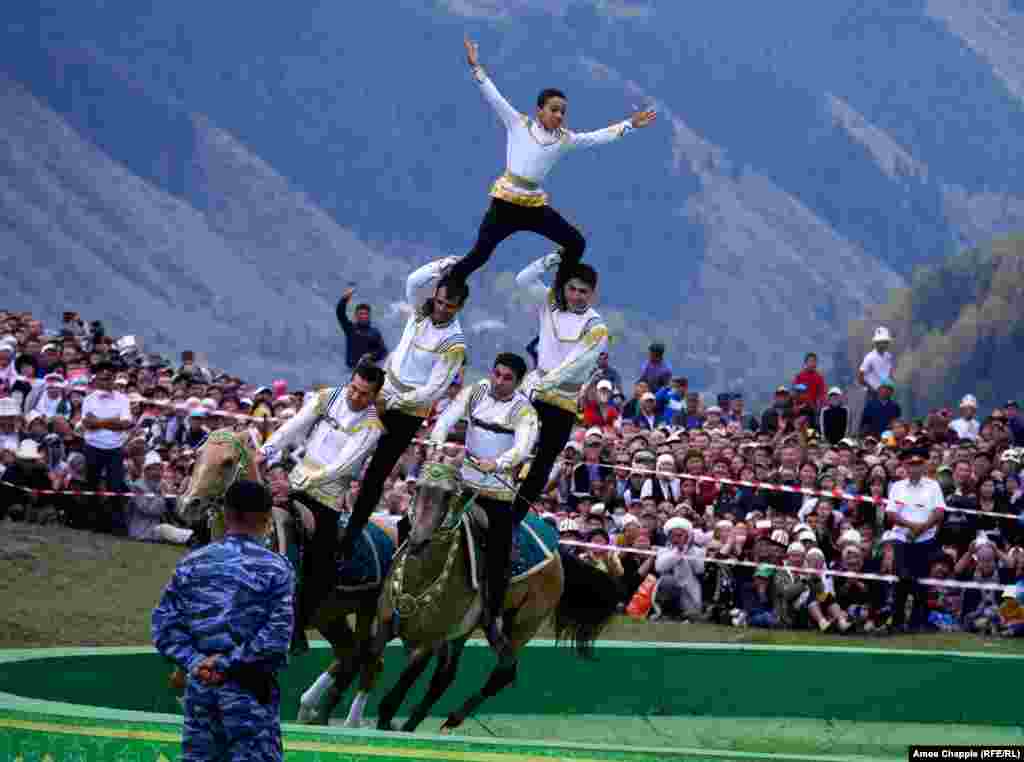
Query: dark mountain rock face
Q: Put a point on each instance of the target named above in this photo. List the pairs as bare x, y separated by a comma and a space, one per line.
229, 168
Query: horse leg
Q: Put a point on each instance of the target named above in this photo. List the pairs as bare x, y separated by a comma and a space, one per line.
418, 660
504, 674
447, 665
370, 660
311, 704
319, 702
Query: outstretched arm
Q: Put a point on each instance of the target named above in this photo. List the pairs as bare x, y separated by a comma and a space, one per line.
612, 132
506, 112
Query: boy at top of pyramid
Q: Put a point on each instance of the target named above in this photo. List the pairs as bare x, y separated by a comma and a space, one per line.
535, 144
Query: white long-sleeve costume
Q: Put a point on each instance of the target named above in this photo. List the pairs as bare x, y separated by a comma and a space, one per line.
337, 440
500, 430
570, 342
533, 150
428, 357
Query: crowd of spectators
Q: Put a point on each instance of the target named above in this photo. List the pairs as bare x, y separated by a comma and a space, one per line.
82, 411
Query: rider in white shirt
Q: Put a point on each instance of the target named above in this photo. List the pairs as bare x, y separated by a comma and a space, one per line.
518, 202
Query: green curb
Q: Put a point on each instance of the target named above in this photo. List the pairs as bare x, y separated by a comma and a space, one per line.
640, 701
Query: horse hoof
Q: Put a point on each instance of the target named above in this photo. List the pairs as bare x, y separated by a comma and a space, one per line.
450, 726
308, 716
353, 724
386, 726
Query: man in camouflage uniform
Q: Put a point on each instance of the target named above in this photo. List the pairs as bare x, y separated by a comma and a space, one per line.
226, 618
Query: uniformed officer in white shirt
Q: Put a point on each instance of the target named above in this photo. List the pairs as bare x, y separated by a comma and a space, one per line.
915, 512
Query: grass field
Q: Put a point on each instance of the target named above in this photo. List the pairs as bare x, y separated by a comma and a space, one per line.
72, 588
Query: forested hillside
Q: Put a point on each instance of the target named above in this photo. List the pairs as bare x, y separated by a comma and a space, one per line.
957, 329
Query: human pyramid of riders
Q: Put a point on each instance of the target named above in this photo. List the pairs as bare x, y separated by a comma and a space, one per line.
370, 422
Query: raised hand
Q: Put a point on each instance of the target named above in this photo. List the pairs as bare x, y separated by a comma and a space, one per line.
471, 53
347, 293
643, 118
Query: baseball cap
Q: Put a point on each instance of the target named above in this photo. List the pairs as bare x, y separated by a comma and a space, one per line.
648, 396
834, 390
604, 384
782, 389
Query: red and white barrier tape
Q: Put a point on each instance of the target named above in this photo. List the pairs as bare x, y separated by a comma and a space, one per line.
85, 493
805, 571
836, 493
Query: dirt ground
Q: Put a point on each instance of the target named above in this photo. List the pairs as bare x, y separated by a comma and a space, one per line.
65, 587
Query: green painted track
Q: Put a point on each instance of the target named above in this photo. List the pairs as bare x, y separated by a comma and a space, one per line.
638, 702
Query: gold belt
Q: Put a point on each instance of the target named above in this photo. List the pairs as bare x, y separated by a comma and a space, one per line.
521, 182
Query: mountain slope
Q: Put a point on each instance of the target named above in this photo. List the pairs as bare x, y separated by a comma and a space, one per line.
836, 146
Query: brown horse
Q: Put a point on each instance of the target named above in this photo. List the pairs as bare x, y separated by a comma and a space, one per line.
438, 608
227, 456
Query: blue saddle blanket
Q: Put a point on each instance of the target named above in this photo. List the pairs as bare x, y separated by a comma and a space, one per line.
534, 546
370, 561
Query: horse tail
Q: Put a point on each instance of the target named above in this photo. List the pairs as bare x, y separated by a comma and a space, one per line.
589, 601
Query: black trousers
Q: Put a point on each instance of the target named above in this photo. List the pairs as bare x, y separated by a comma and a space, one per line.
503, 219
319, 567
400, 429
555, 427
109, 466
911, 565
502, 521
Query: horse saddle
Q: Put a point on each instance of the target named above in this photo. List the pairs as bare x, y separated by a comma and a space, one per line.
534, 545
370, 562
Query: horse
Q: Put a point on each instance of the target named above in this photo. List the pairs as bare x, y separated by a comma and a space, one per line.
430, 603
227, 456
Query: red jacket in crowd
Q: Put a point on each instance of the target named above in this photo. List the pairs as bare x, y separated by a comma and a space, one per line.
815, 383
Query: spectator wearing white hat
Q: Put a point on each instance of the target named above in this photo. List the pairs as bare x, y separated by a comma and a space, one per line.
146, 511
835, 417
598, 410
52, 401
967, 425
590, 470
646, 418
10, 423
680, 568
8, 373
28, 472
879, 363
